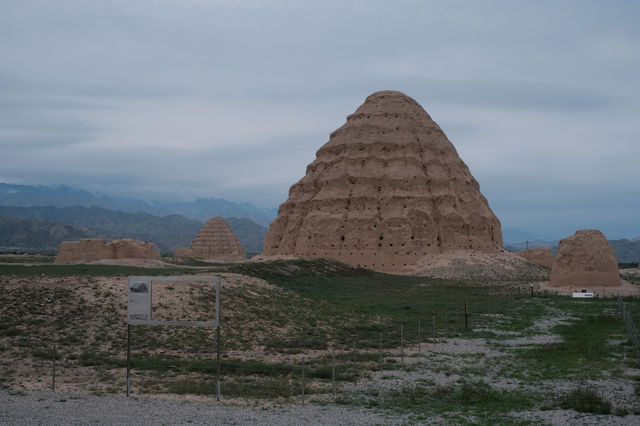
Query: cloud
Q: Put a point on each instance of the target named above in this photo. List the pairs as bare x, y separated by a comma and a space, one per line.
232, 99
557, 209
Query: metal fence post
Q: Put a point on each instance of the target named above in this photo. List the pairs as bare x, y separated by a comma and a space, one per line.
333, 369
302, 381
466, 314
381, 357
632, 330
355, 370
401, 343
218, 363
218, 293
433, 327
53, 375
446, 324
128, 359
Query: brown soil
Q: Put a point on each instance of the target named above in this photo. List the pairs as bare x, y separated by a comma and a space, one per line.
585, 259
91, 249
542, 256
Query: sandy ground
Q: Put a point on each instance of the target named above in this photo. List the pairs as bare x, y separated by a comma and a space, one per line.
624, 289
465, 264
471, 264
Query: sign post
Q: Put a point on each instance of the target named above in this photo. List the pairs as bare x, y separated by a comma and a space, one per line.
139, 312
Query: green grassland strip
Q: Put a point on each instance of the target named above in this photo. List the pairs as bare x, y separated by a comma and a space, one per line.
87, 270
583, 351
465, 402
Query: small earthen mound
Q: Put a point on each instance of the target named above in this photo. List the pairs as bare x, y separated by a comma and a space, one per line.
215, 241
542, 256
184, 252
585, 259
387, 191
92, 249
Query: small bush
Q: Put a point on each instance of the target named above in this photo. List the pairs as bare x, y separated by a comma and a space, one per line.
10, 332
585, 400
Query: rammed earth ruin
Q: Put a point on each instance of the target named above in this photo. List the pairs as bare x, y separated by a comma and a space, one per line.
93, 249
215, 241
585, 259
387, 190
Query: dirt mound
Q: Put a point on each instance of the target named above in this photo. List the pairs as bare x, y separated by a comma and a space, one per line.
478, 265
585, 259
385, 192
91, 249
215, 241
542, 256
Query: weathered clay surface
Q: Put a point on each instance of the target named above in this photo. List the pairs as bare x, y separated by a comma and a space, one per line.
387, 190
184, 252
585, 259
91, 249
542, 256
215, 241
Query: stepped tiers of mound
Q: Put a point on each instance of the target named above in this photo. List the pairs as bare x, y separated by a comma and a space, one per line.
89, 250
387, 190
542, 256
585, 259
215, 241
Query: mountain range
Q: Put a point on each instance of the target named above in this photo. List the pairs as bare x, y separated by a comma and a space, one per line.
44, 227
63, 196
40, 217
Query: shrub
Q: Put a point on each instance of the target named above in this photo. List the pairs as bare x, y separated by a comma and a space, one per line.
585, 400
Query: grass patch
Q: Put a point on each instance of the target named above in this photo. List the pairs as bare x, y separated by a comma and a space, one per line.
203, 366
456, 401
26, 258
381, 299
87, 270
585, 400
583, 353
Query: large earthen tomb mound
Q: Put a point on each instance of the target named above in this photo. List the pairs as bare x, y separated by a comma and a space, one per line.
585, 259
386, 191
93, 249
215, 241
542, 256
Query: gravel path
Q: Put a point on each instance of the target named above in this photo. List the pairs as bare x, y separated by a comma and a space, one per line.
48, 408
569, 417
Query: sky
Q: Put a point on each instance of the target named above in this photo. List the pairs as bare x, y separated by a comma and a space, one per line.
184, 99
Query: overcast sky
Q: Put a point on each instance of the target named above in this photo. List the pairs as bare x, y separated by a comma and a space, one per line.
177, 99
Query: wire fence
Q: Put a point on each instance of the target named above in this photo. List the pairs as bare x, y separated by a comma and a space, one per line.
324, 368
632, 330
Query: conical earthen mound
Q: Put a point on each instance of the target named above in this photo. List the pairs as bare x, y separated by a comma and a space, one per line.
585, 259
387, 190
215, 241
542, 256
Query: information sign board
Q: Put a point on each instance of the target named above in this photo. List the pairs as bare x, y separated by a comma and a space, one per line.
139, 300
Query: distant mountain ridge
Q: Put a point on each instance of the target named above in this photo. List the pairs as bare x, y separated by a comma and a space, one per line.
627, 251
168, 232
36, 233
63, 196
